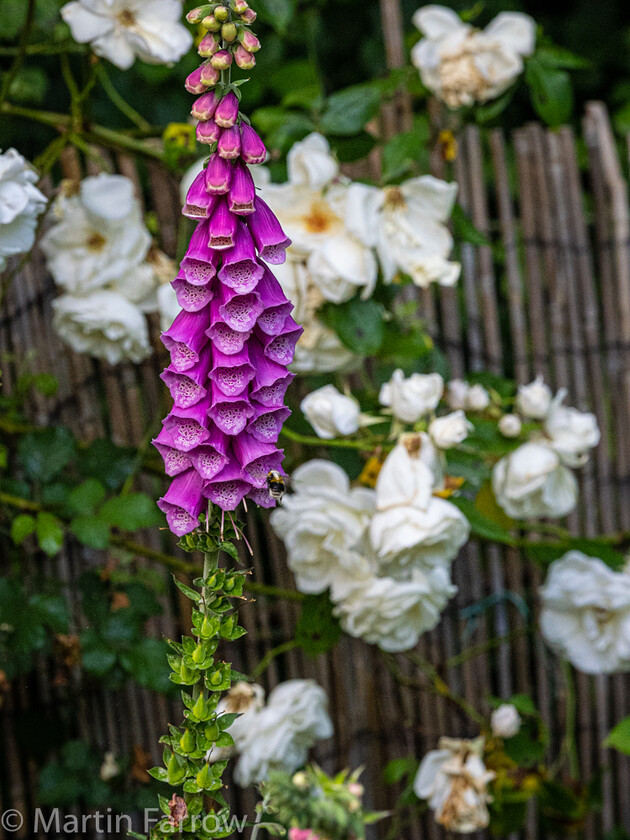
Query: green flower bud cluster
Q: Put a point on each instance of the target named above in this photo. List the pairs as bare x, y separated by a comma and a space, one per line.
327, 807
229, 37
194, 665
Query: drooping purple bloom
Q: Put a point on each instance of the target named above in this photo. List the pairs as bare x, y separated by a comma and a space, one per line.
234, 338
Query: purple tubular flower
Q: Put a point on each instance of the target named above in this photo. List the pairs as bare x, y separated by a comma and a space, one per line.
222, 227
271, 241
183, 502
229, 143
242, 191
226, 113
199, 204
252, 147
204, 107
234, 338
218, 175
240, 270
208, 132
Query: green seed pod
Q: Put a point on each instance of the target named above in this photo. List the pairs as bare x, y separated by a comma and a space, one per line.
216, 678
199, 709
188, 742
206, 631
174, 772
204, 777
212, 731
199, 654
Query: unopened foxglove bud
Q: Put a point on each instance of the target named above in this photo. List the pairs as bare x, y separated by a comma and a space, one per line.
226, 113
239, 6
229, 32
248, 16
209, 45
209, 75
252, 147
229, 145
244, 60
221, 60
211, 23
208, 132
221, 13
204, 107
218, 175
198, 14
194, 82
249, 41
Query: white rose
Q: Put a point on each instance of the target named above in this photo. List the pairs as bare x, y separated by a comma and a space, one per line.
505, 721
532, 483
534, 400
586, 613
457, 394
100, 240
407, 536
510, 425
572, 433
120, 30
104, 325
410, 473
310, 162
330, 413
341, 266
462, 65
478, 398
390, 613
320, 350
20, 205
324, 526
455, 780
446, 432
412, 398
280, 736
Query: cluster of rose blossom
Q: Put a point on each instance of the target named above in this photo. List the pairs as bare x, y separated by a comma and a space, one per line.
462, 65
99, 252
275, 735
20, 205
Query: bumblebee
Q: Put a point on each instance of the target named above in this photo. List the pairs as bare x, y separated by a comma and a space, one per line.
277, 484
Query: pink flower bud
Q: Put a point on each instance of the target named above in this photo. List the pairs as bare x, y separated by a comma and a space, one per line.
221, 60
209, 76
208, 132
252, 147
242, 191
229, 145
239, 6
194, 83
248, 16
249, 41
218, 175
204, 107
209, 45
226, 113
244, 59
197, 15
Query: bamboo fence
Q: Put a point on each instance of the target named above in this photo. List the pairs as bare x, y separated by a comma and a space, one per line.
555, 208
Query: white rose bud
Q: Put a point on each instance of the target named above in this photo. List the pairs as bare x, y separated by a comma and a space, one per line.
457, 393
331, 413
505, 721
412, 398
478, 398
450, 430
510, 425
534, 400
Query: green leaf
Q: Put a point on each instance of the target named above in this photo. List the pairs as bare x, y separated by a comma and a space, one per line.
464, 230
561, 58
52, 610
188, 592
353, 148
619, 737
158, 773
317, 630
146, 663
46, 384
22, 527
277, 12
396, 769
49, 532
348, 110
480, 525
109, 463
136, 510
407, 150
358, 323
44, 454
551, 91
98, 660
84, 498
91, 531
